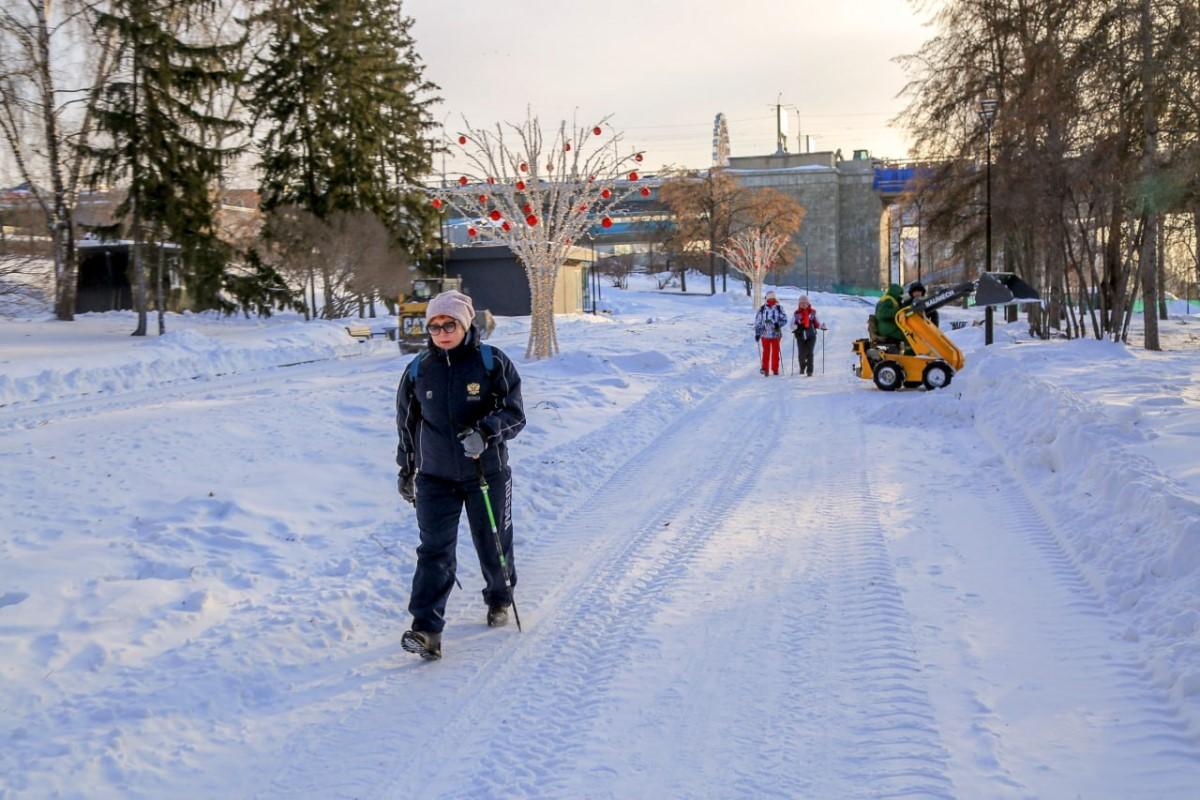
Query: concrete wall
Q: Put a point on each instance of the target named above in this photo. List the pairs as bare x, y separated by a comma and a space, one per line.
841, 225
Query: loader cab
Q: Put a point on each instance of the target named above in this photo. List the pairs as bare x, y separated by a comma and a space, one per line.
411, 310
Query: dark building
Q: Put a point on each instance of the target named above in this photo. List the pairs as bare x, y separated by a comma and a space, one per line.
105, 275
496, 281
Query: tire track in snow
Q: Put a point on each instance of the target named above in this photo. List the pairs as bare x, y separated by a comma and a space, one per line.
369, 737
1146, 730
554, 692
1034, 687
891, 745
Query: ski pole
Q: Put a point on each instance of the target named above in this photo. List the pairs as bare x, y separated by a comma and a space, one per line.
487, 503
792, 360
822, 351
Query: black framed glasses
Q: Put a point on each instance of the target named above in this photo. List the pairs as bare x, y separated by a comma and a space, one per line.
449, 326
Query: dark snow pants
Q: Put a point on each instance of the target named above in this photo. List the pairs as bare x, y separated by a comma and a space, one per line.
439, 507
806, 348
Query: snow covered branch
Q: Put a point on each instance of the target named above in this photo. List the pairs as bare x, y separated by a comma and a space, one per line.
539, 196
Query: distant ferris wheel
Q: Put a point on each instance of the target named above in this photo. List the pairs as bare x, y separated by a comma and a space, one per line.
720, 141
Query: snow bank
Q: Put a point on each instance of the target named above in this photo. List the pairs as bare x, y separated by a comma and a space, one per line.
47, 361
1101, 437
1129, 528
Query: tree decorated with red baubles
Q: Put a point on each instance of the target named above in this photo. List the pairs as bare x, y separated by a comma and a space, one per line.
539, 194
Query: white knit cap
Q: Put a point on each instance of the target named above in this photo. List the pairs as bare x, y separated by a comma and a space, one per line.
453, 304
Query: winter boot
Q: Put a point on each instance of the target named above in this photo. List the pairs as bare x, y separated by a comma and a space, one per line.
426, 644
497, 616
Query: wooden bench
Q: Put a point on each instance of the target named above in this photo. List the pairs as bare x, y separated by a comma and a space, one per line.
359, 331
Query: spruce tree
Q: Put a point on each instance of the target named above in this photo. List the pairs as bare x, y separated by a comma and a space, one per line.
343, 114
155, 127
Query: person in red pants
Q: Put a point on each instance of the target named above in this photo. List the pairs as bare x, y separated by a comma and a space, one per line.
768, 327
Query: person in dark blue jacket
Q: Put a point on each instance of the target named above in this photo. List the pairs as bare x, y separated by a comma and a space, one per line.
458, 404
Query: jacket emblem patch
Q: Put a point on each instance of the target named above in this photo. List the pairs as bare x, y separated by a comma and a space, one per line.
473, 389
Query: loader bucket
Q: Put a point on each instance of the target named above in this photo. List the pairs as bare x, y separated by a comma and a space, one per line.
1003, 288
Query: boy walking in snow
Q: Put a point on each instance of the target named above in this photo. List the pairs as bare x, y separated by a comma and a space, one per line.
458, 404
768, 327
806, 327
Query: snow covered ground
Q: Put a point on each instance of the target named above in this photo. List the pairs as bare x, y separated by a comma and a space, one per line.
731, 586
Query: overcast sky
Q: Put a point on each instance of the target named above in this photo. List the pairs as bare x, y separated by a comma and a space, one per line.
664, 68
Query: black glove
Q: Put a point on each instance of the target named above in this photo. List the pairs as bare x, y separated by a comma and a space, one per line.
406, 482
473, 443
757, 337
777, 328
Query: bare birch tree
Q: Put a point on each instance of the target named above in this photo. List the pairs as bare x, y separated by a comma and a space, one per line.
52, 67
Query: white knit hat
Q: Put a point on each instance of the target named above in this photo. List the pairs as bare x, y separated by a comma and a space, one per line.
453, 304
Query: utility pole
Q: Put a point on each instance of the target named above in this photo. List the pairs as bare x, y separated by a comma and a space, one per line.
987, 115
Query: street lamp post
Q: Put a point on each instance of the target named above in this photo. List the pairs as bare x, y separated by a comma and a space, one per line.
987, 115
594, 282
806, 268
918, 241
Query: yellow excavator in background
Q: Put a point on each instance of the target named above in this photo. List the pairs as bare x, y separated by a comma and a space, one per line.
410, 313
927, 357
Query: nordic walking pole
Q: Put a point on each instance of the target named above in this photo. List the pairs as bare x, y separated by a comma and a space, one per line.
792, 360
822, 351
487, 503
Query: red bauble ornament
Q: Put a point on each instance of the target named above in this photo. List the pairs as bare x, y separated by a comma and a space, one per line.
591, 178
437, 203
633, 176
462, 140
637, 157
596, 130
567, 147
483, 198
583, 208
527, 208
645, 191
605, 193
531, 220
506, 226
524, 167
520, 186
463, 181
491, 179
472, 232
606, 222
495, 215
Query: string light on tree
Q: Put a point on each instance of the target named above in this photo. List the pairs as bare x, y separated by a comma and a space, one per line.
557, 183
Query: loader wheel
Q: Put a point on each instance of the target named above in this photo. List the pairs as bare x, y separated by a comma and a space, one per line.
937, 376
888, 376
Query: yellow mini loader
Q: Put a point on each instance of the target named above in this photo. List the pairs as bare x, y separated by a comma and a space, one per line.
410, 312
927, 357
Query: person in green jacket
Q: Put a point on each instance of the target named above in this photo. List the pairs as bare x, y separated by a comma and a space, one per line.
885, 313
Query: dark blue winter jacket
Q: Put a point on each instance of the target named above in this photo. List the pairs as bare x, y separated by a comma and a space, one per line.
452, 393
